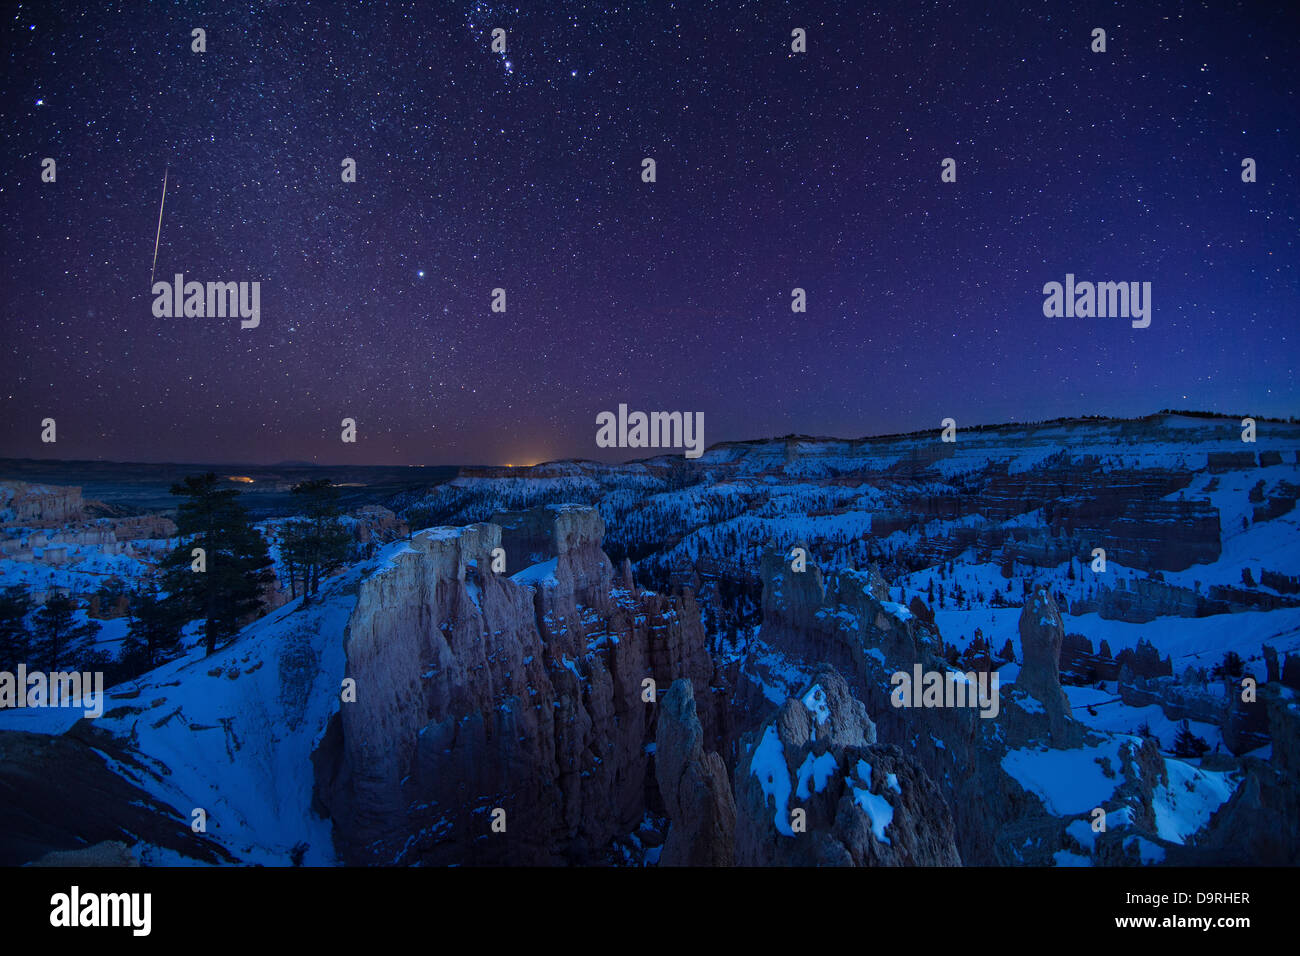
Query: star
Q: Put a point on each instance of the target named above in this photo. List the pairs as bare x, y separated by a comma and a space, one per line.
534, 186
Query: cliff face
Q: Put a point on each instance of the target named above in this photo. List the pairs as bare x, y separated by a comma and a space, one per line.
485, 702
39, 505
981, 782
814, 788
1083, 507
694, 785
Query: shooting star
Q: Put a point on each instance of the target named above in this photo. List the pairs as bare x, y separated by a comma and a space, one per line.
159, 234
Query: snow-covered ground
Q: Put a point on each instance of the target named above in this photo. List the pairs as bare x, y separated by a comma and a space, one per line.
232, 734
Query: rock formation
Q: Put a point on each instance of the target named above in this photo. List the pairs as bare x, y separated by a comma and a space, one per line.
1041, 635
694, 786
39, 505
484, 701
814, 788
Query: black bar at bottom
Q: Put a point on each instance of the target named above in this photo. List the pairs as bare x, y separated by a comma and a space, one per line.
490, 907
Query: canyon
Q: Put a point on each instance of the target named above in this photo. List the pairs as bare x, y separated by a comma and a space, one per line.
652, 680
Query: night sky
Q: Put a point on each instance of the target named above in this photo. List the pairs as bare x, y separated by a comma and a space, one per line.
478, 170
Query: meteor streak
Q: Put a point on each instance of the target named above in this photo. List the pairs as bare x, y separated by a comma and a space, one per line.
159, 234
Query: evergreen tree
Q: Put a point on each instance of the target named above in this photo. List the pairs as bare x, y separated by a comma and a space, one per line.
318, 543
236, 565
15, 641
1187, 744
1232, 665
154, 632
56, 630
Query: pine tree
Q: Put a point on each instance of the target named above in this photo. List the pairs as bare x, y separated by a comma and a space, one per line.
15, 640
155, 630
235, 560
56, 630
318, 543
1187, 744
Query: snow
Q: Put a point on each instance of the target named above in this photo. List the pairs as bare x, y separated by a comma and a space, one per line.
827, 494
768, 765
1083, 834
1201, 641
238, 747
1185, 804
818, 771
815, 701
1067, 781
897, 610
1112, 716
542, 574
876, 807
1066, 858
1148, 852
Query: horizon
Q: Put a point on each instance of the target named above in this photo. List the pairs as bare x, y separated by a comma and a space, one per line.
231, 465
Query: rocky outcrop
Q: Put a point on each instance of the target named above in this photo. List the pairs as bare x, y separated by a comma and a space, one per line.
39, 505
62, 795
140, 527
1080, 664
374, 524
1142, 600
1041, 635
1146, 599
1245, 724
498, 719
1260, 824
1218, 462
814, 788
108, 853
1177, 699
694, 786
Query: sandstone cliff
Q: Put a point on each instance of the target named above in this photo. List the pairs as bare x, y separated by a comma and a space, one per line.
694, 786
483, 699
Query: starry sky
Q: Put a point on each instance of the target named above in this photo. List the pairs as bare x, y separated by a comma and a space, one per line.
775, 170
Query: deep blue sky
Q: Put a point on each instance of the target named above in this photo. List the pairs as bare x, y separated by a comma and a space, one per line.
774, 171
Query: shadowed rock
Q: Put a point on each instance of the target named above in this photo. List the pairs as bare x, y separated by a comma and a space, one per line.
1041, 635
694, 787
814, 789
